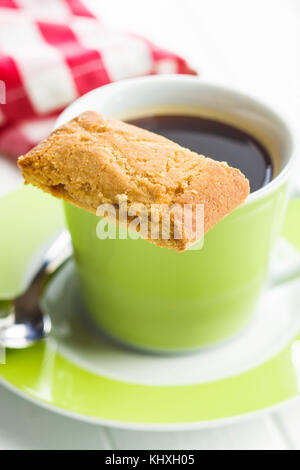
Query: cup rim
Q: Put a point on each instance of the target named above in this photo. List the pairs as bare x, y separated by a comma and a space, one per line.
280, 115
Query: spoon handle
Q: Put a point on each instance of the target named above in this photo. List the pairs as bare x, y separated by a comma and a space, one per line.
58, 253
22, 321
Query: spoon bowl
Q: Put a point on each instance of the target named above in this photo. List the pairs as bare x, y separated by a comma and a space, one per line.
22, 321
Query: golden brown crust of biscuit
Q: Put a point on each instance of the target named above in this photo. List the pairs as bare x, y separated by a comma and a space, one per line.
90, 161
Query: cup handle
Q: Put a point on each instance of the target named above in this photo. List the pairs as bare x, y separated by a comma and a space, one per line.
291, 271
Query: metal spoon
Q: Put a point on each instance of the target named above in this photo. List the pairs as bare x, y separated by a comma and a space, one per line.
22, 322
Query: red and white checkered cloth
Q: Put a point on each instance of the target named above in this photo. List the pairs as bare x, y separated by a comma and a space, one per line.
51, 52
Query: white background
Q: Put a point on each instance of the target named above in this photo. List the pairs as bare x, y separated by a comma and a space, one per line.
253, 45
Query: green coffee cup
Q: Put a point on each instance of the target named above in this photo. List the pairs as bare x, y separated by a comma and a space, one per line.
157, 299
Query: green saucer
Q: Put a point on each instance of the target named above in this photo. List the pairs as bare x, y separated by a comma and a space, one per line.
79, 373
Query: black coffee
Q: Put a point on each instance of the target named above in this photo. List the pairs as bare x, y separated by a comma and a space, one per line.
216, 140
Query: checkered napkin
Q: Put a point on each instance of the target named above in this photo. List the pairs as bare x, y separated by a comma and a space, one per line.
51, 52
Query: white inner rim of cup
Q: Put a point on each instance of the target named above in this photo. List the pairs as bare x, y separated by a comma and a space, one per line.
138, 96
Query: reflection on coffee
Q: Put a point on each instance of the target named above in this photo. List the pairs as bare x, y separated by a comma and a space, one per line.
216, 140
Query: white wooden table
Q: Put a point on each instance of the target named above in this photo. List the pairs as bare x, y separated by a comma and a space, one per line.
254, 46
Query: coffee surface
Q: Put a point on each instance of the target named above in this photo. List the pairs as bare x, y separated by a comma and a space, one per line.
216, 140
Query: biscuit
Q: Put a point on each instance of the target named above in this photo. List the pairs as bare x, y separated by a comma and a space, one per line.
90, 161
